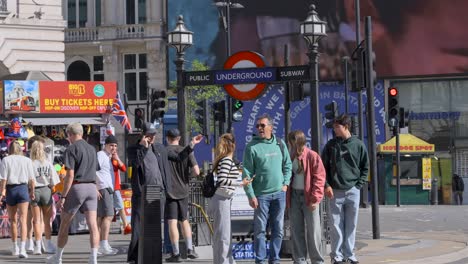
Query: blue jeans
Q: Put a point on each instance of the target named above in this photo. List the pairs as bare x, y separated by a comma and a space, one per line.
270, 209
344, 208
305, 239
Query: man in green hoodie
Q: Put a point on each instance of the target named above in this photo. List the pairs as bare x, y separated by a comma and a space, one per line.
266, 159
347, 163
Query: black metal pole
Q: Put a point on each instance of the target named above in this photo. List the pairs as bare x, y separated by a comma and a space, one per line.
228, 53
398, 172
345, 61
357, 12
287, 98
371, 132
314, 97
179, 62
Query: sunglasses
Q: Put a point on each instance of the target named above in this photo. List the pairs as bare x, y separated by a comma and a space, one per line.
260, 126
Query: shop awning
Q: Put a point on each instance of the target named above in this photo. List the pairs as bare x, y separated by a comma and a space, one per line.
57, 121
408, 144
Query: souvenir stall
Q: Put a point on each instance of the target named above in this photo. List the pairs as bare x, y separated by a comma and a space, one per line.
45, 108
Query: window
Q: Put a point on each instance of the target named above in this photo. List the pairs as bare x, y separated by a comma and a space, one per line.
97, 11
135, 11
98, 68
136, 79
77, 13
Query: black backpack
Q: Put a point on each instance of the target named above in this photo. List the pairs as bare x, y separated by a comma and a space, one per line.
209, 186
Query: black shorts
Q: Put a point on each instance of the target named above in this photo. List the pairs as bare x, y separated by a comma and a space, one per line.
176, 209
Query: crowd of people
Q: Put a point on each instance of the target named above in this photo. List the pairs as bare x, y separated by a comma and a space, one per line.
29, 182
276, 176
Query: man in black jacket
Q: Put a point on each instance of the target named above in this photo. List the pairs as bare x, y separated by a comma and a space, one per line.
457, 188
144, 157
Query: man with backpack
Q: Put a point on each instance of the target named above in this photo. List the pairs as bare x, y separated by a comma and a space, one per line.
266, 158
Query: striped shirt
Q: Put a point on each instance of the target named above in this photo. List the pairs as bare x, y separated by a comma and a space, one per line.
228, 177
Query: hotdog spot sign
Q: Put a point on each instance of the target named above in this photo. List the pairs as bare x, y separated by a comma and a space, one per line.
245, 76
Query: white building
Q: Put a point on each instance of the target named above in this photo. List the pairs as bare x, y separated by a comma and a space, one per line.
31, 37
92, 40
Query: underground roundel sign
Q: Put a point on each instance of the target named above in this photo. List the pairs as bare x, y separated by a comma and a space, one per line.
245, 59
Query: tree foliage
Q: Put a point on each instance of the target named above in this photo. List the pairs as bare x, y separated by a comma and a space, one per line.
196, 94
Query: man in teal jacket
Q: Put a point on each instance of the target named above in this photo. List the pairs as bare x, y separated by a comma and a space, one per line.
346, 163
266, 160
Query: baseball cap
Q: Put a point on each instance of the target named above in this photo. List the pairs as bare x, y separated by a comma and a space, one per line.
111, 140
173, 133
149, 128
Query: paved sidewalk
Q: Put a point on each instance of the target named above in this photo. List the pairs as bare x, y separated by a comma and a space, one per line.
398, 248
409, 234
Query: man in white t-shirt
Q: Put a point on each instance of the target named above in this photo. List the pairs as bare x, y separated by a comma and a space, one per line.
105, 186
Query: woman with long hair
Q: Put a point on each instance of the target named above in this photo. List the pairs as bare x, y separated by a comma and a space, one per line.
16, 177
41, 206
228, 178
303, 199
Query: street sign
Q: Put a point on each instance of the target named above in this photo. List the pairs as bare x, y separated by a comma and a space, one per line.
245, 76
245, 59
293, 73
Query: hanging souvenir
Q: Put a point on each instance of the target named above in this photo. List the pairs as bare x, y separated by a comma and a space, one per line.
2, 136
14, 129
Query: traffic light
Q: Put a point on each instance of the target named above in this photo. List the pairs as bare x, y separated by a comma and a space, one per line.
203, 116
372, 71
331, 114
404, 118
139, 118
393, 107
158, 103
298, 91
219, 109
358, 71
236, 111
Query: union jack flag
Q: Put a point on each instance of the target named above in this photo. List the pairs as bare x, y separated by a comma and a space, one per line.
118, 111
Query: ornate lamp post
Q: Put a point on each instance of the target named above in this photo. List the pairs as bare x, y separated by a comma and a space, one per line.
313, 29
181, 39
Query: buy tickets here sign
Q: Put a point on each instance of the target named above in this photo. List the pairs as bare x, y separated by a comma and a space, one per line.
76, 97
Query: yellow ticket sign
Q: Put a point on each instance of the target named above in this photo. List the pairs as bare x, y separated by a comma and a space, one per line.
426, 173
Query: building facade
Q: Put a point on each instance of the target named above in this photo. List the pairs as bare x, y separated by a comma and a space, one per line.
31, 37
117, 40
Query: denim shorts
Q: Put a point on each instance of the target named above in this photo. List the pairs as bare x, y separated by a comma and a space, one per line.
17, 193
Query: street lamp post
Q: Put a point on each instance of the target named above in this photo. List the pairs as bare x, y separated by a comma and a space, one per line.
181, 39
313, 29
224, 9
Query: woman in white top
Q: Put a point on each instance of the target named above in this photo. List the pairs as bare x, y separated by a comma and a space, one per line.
228, 178
46, 179
16, 175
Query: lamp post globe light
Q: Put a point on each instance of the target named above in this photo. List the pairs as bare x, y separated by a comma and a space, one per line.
313, 29
181, 39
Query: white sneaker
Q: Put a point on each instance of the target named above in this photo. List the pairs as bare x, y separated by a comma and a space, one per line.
29, 245
107, 250
49, 247
53, 260
15, 250
22, 253
37, 248
92, 260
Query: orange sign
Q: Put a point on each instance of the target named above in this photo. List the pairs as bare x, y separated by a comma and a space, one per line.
76, 97
127, 200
